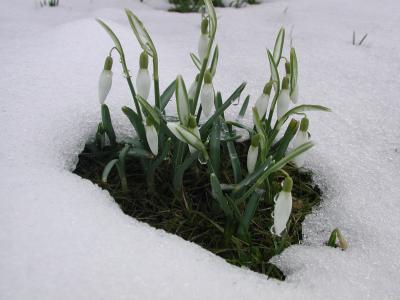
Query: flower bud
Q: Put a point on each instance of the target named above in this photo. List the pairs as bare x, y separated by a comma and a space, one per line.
283, 207
204, 40
193, 128
283, 101
105, 80
143, 81
252, 155
294, 96
207, 94
151, 136
300, 139
287, 68
262, 101
192, 88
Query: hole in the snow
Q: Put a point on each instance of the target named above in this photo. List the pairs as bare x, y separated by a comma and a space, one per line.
193, 213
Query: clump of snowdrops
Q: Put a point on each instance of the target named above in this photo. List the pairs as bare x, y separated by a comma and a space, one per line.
179, 148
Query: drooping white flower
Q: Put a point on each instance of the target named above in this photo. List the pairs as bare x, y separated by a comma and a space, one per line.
192, 88
143, 81
203, 40
283, 101
195, 130
283, 207
207, 94
262, 101
252, 155
151, 136
186, 135
105, 80
300, 139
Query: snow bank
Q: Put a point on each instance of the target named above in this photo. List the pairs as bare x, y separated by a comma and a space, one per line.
63, 237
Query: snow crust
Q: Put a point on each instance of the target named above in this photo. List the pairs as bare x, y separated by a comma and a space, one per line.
61, 237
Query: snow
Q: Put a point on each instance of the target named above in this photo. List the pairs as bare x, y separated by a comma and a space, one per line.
62, 237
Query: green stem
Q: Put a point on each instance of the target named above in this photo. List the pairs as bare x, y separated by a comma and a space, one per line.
156, 81
128, 78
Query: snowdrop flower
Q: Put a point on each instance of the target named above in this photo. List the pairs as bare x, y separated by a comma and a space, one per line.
300, 139
151, 135
262, 101
204, 40
252, 155
192, 88
193, 128
105, 80
143, 81
207, 94
283, 207
284, 98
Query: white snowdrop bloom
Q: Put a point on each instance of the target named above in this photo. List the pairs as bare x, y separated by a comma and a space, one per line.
152, 136
207, 94
283, 207
105, 80
262, 101
203, 40
300, 139
182, 101
188, 136
295, 94
143, 81
193, 128
283, 102
252, 155
192, 88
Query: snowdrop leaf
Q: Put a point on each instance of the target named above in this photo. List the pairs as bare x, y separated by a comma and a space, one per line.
239, 125
220, 110
214, 61
182, 101
215, 145
107, 124
141, 33
235, 162
299, 109
150, 111
219, 196
248, 215
139, 152
294, 71
274, 71
180, 170
196, 61
117, 43
212, 15
167, 94
107, 170
279, 46
137, 124
244, 107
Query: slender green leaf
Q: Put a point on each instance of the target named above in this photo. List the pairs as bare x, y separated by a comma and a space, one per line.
117, 44
137, 124
107, 124
180, 170
151, 112
141, 153
196, 61
167, 95
293, 71
280, 39
250, 210
219, 196
182, 101
214, 61
235, 162
274, 72
215, 146
244, 107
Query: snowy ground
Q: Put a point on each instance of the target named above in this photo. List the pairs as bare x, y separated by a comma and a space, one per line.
61, 237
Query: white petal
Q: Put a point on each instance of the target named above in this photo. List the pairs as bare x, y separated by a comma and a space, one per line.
203, 46
300, 139
196, 132
105, 83
192, 90
282, 210
182, 101
152, 138
143, 83
283, 103
252, 156
207, 98
262, 105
